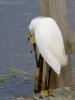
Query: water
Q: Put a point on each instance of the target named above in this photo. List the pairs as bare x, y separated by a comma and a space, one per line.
15, 16
71, 23
71, 14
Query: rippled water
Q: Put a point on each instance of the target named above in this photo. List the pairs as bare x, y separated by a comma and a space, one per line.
71, 23
71, 13
15, 16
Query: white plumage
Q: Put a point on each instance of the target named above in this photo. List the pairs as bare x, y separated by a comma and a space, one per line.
49, 41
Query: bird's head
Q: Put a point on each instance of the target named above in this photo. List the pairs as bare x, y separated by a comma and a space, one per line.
33, 24
32, 27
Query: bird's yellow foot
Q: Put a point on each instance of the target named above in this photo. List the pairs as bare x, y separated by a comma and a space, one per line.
31, 39
44, 93
47, 92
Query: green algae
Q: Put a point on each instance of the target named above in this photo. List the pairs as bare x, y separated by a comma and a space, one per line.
16, 74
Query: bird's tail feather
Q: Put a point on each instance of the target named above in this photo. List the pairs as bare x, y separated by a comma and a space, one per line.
53, 62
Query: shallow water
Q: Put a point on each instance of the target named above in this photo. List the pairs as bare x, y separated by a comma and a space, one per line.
15, 16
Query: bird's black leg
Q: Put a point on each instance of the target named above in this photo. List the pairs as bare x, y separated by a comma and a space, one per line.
49, 79
36, 58
32, 40
40, 60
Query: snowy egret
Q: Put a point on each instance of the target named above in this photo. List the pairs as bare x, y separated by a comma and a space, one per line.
49, 40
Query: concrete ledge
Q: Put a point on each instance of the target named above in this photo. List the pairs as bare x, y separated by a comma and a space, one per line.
66, 93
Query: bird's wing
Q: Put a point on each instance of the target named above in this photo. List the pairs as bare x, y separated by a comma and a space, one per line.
48, 56
52, 61
51, 36
50, 43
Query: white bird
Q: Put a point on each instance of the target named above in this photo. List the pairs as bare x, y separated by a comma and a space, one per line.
49, 40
